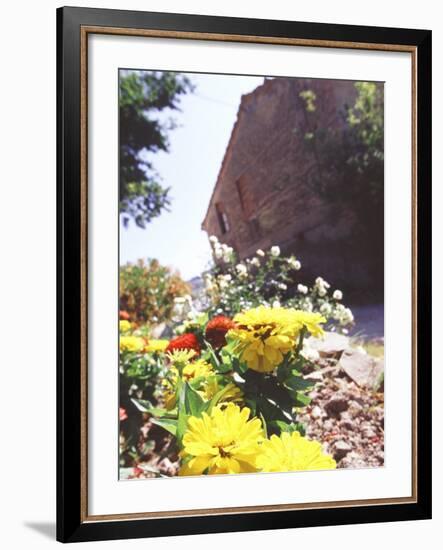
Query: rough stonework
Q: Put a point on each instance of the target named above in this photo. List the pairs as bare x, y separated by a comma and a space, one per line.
261, 198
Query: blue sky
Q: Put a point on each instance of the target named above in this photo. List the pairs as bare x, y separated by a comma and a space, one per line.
190, 169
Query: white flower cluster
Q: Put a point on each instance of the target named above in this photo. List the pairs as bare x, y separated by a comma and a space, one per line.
321, 286
343, 315
307, 305
242, 271
337, 295
221, 251
224, 280
249, 282
326, 309
295, 264
133, 389
209, 281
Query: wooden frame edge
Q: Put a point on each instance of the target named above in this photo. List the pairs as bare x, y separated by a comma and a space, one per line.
84, 31
84, 273
205, 512
208, 36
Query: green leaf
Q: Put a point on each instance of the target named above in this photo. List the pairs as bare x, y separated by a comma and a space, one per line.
142, 405
227, 362
298, 383
251, 403
275, 392
289, 427
202, 320
300, 340
182, 414
301, 428
229, 348
301, 399
167, 424
224, 368
213, 359
265, 428
194, 403
209, 405
239, 366
271, 410
284, 369
182, 425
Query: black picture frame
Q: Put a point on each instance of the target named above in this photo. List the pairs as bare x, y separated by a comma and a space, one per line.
72, 526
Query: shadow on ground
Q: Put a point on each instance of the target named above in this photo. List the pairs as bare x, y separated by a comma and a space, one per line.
45, 529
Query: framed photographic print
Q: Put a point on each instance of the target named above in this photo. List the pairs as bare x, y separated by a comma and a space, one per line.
244, 271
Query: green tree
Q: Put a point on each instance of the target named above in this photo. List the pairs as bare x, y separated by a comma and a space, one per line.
349, 158
144, 100
348, 166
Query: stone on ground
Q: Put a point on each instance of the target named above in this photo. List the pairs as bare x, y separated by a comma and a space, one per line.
330, 345
363, 369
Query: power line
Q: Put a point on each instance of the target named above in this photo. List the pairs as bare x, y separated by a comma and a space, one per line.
215, 100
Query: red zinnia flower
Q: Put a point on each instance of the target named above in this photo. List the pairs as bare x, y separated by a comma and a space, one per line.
185, 341
216, 330
124, 315
122, 414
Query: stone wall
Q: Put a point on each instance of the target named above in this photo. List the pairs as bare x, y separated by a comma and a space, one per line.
261, 192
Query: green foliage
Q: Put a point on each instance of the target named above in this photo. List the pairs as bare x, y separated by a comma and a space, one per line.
161, 390
266, 279
144, 97
274, 397
366, 116
348, 169
138, 380
349, 159
148, 290
309, 97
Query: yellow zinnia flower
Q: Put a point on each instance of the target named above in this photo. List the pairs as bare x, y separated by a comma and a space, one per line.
156, 345
209, 386
181, 356
168, 387
307, 319
124, 326
197, 369
291, 452
226, 442
231, 392
266, 334
131, 343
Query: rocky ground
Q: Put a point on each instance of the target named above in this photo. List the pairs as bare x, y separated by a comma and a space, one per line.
346, 413
348, 420
347, 409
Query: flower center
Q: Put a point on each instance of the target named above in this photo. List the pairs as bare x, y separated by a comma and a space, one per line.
223, 453
222, 449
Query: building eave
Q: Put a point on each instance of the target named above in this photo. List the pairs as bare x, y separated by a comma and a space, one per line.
244, 99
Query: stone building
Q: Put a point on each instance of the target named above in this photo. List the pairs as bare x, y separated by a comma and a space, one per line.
261, 197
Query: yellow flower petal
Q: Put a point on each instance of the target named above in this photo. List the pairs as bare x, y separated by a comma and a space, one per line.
266, 334
227, 441
291, 452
